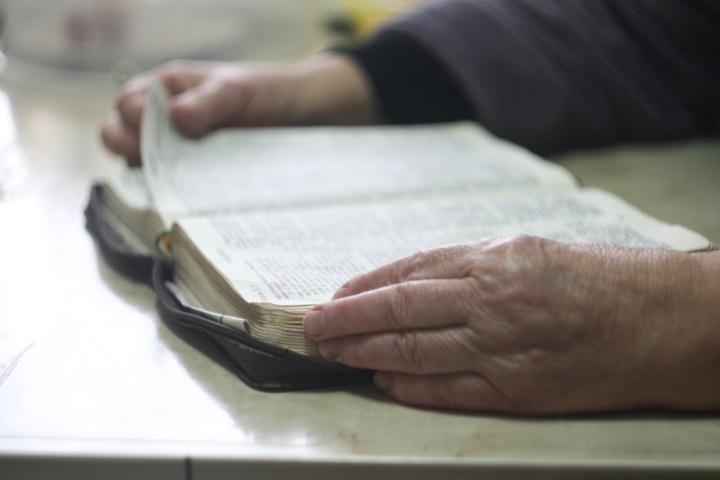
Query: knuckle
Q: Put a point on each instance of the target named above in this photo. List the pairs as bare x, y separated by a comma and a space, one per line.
414, 265
511, 265
398, 308
406, 345
528, 247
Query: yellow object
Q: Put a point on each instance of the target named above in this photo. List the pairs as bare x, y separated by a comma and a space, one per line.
366, 15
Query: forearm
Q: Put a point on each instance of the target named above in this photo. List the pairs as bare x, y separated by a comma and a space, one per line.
333, 89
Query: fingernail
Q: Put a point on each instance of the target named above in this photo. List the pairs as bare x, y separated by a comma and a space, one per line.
382, 380
313, 323
330, 350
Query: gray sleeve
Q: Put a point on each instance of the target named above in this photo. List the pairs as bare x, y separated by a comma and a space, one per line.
560, 74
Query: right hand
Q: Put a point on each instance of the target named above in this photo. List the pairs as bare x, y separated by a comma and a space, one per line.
326, 89
525, 325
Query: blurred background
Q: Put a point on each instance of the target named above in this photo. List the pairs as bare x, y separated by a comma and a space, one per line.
56, 41
63, 61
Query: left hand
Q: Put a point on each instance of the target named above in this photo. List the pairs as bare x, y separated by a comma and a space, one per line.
327, 89
532, 326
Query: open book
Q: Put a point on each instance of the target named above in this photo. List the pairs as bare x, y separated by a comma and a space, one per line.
261, 224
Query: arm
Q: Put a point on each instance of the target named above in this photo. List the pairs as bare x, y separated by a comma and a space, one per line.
325, 89
531, 326
550, 75
554, 75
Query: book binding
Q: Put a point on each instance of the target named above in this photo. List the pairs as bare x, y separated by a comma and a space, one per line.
260, 365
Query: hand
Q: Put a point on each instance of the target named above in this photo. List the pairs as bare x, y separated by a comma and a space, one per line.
326, 89
531, 326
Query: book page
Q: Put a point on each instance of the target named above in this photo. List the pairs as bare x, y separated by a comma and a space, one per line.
269, 168
131, 187
302, 257
128, 209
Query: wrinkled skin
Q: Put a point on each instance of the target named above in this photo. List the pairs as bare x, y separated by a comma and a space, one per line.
530, 326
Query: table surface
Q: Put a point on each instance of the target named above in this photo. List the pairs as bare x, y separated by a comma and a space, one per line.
93, 381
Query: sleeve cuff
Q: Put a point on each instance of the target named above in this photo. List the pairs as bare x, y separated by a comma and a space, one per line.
410, 85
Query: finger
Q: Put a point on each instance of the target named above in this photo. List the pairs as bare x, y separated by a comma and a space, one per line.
130, 105
418, 352
441, 262
213, 104
181, 76
408, 305
461, 391
176, 77
194, 112
120, 139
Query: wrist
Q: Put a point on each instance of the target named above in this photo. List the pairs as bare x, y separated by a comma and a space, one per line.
684, 335
333, 89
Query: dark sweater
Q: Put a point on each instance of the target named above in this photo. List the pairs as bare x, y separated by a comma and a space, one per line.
554, 75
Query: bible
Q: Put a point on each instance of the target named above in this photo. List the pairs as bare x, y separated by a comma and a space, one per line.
244, 230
